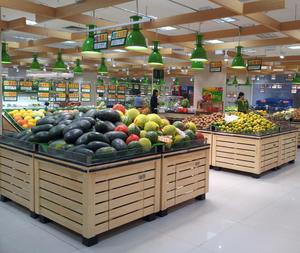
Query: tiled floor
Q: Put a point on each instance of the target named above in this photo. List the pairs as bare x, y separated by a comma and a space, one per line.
240, 215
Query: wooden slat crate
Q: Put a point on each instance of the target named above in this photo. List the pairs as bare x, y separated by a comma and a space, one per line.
288, 148
184, 176
297, 126
209, 136
93, 200
17, 176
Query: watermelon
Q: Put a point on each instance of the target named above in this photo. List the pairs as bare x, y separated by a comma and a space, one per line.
131, 138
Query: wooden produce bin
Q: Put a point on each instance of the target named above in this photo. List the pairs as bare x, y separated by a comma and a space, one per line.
297, 126
209, 136
93, 200
184, 176
17, 176
253, 154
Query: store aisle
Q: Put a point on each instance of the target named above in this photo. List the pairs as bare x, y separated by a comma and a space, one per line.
240, 215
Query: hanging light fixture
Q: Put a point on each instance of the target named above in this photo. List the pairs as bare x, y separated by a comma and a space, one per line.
102, 68
5, 56
296, 79
155, 58
146, 80
88, 44
59, 64
197, 65
238, 61
35, 65
161, 82
199, 53
77, 69
176, 82
235, 81
135, 40
248, 83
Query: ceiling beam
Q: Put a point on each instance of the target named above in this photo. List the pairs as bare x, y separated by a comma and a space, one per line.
262, 6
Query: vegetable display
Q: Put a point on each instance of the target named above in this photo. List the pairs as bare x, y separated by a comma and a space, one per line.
204, 121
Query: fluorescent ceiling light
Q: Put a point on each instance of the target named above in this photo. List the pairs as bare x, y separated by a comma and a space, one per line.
225, 20
167, 28
213, 41
30, 22
294, 47
120, 50
281, 56
70, 42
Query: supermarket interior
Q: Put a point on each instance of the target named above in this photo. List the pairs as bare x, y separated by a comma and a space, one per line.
167, 126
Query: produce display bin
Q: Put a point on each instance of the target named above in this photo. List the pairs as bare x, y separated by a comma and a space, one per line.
297, 126
92, 199
208, 135
253, 154
184, 176
17, 173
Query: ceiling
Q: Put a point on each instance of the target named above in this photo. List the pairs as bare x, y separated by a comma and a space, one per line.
267, 33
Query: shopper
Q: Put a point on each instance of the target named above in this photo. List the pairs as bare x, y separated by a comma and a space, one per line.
154, 101
138, 101
242, 103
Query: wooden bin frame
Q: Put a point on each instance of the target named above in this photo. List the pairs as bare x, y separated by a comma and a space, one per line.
253, 154
185, 176
93, 200
17, 176
296, 124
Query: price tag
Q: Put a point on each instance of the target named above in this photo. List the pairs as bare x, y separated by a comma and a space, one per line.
100, 41
26, 86
74, 97
60, 97
85, 97
60, 87
10, 96
44, 86
86, 88
73, 87
43, 96
118, 38
9, 85
100, 88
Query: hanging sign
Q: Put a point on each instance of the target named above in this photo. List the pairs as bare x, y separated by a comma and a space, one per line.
215, 66
85, 97
86, 88
73, 87
60, 87
100, 41
254, 64
10, 96
100, 88
43, 96
111, 89
118, 38
44, 86
60, 97
26, 86
74, 97
9, 85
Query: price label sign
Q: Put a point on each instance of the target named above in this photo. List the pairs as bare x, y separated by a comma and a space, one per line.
60, 97
44, 86
100, 41
254, 64
100, 88
26, 86
60, 87
43, 96
85, 97
121, 89
118, 38
215, 66
9, 85
73, 87
10, 96
86, 88
74, 97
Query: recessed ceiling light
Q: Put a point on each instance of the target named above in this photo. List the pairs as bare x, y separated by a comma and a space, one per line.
167, 28
225, 20
214, 41
30, 22
120, 50
294, 47
281, 56
70, 42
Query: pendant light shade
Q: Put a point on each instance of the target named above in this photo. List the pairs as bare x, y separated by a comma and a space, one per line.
199, 53
235, 81
35, 65
88, 44
176, 82
135, 40
296, 79
5, 55
197, 65
59, 64
155, 58
161, 82
248, 83
102, 68
146, 80
238, 61
77, 69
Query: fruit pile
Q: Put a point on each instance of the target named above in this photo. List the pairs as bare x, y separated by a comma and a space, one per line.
247, 123
27, 118
204, 121
296, 115
283, 115
106, 132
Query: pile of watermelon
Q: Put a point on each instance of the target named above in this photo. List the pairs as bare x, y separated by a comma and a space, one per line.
106, 132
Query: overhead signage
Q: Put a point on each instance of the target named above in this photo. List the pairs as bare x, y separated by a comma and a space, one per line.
86, 88
26, 86
254, 64
100, 41
215, 66
60, 97
73, 87
74, 97
43, 96
118, 38
9, 85
100, 88
44, 86
10, 96
85, 97
60, 87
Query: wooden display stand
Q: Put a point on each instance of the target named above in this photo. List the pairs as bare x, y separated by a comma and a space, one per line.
297, 125
184, 176
93, 200
253, 154
17, 176
209, 137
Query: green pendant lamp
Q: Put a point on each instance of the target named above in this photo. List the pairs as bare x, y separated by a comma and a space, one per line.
59, 64
197, 65
135, 40
296, 79
176, 82
248, 83
88, 44
145, 80
161, 82
155, 58
5, 55
102, 68
238, 61
35, 65
77, 69
235, 81
199, 53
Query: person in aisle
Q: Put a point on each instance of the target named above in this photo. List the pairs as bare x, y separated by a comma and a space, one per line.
154, 101
138, 101
242, 103
46, 106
